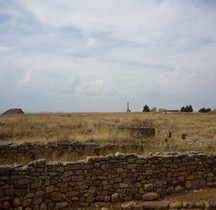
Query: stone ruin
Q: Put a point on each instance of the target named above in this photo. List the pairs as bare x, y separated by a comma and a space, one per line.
106, 182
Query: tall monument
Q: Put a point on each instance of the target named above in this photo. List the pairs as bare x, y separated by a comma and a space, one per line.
128, 109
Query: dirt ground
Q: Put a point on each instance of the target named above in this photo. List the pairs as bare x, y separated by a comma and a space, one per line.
208, 194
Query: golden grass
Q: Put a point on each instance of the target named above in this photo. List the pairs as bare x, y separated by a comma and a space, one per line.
64, 126
103, 127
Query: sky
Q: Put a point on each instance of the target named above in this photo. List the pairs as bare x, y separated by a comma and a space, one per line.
97, 55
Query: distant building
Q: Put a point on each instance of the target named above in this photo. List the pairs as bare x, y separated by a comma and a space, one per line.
162, 110
14, 111
168, 110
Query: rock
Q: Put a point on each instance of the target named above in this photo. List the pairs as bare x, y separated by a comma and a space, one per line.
130, 205
170, 190
43, 206
61, 205
114, 197
37, 162
120, 155
188, 205
6, 205
92, 189
179, 188
57, 196
175, 205
27, 203
123, 185
148, 187
118, 179
37, 200
155, 205
150, 196
16, 202
90, 199
49, 188
107, 198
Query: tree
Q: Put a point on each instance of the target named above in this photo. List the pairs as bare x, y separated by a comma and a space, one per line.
146, 108
204, 110
183, 109
187, 109
154, 109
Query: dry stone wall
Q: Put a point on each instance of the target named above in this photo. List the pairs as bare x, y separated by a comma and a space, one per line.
72, 150
102, 181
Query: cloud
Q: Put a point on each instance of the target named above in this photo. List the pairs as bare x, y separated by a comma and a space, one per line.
97, 88
141, 50
27, 79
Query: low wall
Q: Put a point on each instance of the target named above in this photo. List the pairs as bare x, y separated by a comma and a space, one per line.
72, 151
103, 181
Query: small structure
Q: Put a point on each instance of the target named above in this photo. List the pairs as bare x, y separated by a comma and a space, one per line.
162, 110
128, 109
168, 110
14, 111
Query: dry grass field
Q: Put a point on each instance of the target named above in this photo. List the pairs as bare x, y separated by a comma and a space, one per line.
102, 128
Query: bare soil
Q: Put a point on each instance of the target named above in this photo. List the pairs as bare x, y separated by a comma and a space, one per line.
208, 194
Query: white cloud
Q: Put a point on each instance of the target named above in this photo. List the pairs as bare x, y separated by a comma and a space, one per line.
27, 79
163, 81
97, 88
127, 49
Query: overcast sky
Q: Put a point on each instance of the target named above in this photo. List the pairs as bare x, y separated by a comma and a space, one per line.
95, 55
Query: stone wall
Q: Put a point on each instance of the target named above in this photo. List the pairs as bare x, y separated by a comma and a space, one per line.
61, 150
102, 181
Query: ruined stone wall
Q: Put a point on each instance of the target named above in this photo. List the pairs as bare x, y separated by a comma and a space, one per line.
71, 150
103, 181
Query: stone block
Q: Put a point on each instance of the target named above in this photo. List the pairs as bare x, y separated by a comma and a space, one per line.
123, 185
43, 206
118, 179
188, 205
148, 187
119, 170
6, 205
92, 189
9, 192
74, 198
90, 199
131, 166
61, 205
57, 196
16, 202
114, 197
188, 184
150, 196
50, 188
175, 205
26, 202
107, 187
37, 200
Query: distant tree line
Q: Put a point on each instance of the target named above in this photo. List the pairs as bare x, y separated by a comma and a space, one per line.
187, 108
